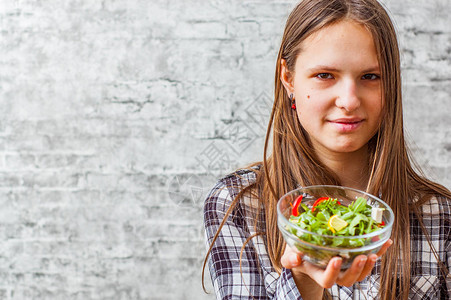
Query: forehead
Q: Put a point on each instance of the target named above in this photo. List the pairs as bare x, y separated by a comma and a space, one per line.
344, 43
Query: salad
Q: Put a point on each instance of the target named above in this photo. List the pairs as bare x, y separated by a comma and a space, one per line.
332, 221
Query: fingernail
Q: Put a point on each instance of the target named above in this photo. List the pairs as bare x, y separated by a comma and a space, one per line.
362, 262
337, 262
373, 258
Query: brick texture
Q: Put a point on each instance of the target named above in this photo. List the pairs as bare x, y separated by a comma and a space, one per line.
116, 117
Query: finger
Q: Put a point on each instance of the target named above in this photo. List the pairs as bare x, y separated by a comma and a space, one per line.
332, 272
290, 259
371, 261
384, 248
325, 278
368, 267
350, 276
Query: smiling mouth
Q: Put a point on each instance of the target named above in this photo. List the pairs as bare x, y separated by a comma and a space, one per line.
347, 121
347, 125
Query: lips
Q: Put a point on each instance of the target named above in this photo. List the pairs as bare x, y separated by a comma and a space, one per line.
346, 124
347, 120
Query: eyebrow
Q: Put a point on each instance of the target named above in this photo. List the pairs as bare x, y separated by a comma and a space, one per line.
332, 69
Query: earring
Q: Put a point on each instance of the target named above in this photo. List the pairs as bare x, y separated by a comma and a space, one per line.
293, 103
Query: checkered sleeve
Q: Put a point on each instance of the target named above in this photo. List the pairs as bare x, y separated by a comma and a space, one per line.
448, 277
286, 287
447, 224
251, 280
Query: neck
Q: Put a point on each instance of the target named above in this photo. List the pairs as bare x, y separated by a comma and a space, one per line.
351, 168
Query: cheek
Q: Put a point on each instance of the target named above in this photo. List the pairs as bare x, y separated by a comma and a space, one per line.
377, 109
312, 105
311, 111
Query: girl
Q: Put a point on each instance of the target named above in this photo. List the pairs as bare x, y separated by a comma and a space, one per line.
336, 119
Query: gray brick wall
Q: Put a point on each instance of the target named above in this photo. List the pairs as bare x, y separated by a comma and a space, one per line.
118, 116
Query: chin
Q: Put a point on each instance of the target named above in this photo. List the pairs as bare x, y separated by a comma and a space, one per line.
348, 148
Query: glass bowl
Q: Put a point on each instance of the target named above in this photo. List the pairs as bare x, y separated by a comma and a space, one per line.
320, 252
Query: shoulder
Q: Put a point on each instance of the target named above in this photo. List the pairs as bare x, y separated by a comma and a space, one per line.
436, 217
228, 187
224, 192
437, 206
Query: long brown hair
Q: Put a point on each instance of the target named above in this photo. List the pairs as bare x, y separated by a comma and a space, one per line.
294, 162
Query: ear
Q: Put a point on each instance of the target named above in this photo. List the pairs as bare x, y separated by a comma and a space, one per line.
286, 77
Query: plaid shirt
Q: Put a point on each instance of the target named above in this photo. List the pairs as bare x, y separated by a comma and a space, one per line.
259, 280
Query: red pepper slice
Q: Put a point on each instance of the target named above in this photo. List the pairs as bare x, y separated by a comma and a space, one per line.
319, 200
294, 210
381, 224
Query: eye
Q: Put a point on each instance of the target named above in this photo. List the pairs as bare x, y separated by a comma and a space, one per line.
324, 76
370, 77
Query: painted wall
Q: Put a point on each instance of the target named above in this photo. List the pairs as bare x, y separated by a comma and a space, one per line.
116, 117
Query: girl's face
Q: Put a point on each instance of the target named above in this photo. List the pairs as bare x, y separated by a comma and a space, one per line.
337, 87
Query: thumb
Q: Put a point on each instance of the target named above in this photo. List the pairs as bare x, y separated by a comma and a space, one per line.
290, 259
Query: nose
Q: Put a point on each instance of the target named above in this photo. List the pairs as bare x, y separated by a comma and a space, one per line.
348, 96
